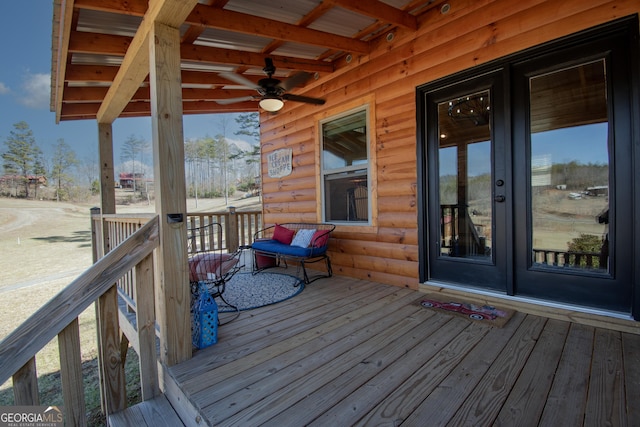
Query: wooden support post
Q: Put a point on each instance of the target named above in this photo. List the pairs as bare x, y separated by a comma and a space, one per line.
71, 375
172, 280
232, 231
25, 385
96, 235
107, 178
106, 302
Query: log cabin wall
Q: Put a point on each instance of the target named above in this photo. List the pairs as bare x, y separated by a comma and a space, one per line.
471, 33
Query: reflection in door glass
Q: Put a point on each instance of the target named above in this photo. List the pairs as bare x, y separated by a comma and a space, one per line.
569, 168
464, 163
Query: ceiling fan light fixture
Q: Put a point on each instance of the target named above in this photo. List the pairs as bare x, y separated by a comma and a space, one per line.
271, 104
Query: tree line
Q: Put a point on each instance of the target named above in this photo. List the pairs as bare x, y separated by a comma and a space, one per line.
214, 167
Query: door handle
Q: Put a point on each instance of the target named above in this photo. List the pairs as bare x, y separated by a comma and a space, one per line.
499, 198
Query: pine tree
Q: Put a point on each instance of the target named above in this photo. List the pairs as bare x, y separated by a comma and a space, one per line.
249, 125
131, 149
64, 158
22, 157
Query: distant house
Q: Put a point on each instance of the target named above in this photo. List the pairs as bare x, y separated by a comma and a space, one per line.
13, 185
33, 179
127, 180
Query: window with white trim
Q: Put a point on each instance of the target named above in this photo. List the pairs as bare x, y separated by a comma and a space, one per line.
345, 168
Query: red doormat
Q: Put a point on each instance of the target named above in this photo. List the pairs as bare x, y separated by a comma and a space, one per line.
477, 311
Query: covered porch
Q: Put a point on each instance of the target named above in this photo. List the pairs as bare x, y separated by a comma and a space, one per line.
353, 352
348, 350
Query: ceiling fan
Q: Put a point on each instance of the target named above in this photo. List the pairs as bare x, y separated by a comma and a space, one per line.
272, 91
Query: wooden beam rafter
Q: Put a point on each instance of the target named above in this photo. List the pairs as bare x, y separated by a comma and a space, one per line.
97, 94
248, 24
89, 110
216, 17
135, 66
106, 44
107, 73
380, 11
59, 52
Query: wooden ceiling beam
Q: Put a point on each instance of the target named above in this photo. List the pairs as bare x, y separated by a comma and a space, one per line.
97, 94
59, 51
106, 44
240, 22
86, 111
215, 55
306, 20
216, 17
193, 32
100, 44
125, 7
135, 66
380, 11
106, 74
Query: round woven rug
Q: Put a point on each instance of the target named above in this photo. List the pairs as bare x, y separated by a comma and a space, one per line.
247, 291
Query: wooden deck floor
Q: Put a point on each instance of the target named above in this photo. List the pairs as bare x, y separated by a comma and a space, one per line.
347, 352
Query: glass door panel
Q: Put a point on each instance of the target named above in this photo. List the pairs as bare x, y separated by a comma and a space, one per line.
569, 170
571, 220
465, 177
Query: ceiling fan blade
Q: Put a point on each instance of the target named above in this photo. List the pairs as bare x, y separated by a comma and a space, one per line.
297, 79
241, 80
234, 100
299, 98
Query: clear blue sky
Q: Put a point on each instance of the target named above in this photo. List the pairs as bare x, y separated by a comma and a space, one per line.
25, 49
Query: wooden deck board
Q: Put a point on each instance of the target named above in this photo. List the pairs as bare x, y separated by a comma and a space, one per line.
386, 375
605, 401
526, 401
156, 412
324, 366
443, 402
631, 356
294, 333
568, 396
350, 352
399, 404
304, 357
484, 402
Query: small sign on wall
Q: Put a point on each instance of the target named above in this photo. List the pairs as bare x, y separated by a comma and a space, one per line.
279, 162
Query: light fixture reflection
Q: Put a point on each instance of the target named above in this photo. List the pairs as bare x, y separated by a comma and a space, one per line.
271, 104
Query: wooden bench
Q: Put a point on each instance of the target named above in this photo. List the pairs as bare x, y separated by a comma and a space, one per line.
304, 243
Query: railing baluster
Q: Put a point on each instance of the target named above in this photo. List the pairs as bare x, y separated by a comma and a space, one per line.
146, 322
112, 366
71, 375
25, 384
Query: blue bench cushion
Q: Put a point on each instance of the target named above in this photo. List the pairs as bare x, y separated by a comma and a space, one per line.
274, 246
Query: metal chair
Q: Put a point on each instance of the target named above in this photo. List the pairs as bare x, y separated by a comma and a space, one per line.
209, 263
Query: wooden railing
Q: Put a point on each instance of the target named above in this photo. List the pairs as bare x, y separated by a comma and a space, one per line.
238, 229
588, 260
458, 233
59, 317
123, 254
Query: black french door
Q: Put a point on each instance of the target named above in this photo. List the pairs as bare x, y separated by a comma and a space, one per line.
527, 175
468, 186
